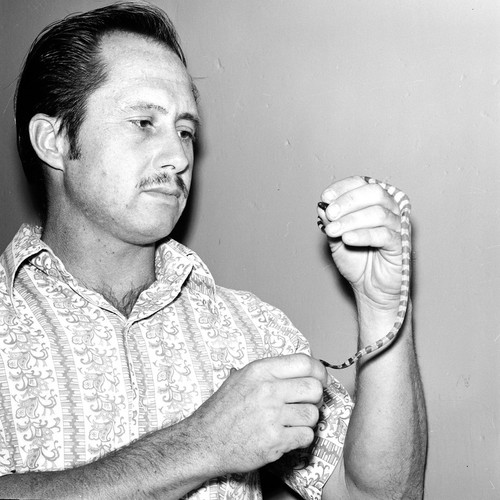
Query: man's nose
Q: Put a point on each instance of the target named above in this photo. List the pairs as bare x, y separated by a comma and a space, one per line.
175, 154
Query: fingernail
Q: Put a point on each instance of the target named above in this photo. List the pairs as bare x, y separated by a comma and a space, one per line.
323, 205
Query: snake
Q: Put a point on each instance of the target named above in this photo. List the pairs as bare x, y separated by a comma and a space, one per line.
405, 208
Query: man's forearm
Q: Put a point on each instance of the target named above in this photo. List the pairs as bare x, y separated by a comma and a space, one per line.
385, 448
167, 464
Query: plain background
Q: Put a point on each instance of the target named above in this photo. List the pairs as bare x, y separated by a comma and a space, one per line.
295, 94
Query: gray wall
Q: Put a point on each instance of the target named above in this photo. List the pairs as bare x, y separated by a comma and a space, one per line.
296, 94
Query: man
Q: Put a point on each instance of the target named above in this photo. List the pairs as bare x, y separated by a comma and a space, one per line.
125, 371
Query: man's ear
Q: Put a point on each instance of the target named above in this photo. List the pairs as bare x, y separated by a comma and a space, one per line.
48, 144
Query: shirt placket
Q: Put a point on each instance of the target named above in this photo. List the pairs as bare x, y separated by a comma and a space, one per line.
132, 389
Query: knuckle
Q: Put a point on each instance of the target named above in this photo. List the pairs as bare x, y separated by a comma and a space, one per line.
348, 200
257, 368
273, 455
268, 452
272, 436
274, 445
379, 191
390, 235
317, 391
310, 415
252, 368
313, 388
381, 213
305, 361
305, 438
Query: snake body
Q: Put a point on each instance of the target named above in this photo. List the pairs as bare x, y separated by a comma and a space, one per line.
404, 207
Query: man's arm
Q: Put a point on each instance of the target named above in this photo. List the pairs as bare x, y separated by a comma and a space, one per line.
169, 461
386, 442
262, 411
385, 448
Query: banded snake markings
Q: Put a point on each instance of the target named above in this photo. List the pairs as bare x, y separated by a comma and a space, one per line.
405, 208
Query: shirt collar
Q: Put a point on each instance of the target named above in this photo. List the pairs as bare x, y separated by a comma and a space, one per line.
173, 257
25, 244
174, 262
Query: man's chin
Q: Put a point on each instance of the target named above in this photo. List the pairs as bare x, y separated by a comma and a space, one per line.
146, 235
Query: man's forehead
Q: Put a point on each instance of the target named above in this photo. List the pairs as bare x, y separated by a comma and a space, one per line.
124, 49
134, 61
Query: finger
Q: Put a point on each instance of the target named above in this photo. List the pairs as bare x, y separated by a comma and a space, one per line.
368, 218
300, 415
292, 366
300, 390
378, 237
297, 437
338, 188
361, 197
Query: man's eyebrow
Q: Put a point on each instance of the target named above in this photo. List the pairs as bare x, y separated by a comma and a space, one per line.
140, 106
190, 117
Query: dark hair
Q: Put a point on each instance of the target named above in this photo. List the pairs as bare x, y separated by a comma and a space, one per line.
63, 68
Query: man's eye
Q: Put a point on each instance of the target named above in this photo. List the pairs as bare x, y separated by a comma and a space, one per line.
186, 135
143, 123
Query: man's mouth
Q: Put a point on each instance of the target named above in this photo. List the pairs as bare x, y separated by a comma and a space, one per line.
164, 191
164, 184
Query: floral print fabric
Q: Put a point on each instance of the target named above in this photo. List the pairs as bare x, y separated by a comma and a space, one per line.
78, 379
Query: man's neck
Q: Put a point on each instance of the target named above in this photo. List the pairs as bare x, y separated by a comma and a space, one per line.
117, 270
126, 303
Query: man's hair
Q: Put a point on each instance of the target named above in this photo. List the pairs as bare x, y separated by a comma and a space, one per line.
63, 68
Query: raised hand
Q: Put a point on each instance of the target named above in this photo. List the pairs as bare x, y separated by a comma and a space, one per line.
363, 225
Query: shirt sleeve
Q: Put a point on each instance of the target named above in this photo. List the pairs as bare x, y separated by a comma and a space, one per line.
306, 471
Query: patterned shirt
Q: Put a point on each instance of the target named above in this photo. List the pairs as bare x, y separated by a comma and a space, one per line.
78, 379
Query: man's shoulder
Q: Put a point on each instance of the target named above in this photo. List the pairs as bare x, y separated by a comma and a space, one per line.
243, 297
253, 305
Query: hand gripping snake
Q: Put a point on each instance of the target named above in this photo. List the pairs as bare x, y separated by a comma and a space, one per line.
404, 207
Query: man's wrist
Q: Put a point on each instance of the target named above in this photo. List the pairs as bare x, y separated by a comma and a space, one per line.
375, 322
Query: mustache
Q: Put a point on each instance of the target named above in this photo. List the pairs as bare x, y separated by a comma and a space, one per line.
164, 178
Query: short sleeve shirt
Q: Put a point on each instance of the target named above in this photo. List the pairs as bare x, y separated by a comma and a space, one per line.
79, 380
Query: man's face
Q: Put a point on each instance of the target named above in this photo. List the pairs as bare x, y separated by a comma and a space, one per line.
132, 177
